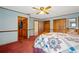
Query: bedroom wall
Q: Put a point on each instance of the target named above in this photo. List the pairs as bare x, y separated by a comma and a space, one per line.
78, 22
8, 21
31, 26
68, 16
51, 24
73, 15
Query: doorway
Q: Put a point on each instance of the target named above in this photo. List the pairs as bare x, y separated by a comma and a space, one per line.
22, 28
36, 27
46, 26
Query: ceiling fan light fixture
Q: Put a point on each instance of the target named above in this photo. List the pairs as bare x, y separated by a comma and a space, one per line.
42, 12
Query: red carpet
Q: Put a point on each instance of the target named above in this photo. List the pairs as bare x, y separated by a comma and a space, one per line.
18, 47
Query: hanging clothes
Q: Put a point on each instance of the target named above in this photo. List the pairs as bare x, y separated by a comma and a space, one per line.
21, 24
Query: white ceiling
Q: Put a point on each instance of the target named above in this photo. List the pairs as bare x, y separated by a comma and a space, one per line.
54, 11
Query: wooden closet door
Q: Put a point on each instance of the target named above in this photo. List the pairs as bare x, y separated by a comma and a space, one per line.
62, 25
22, 32
59, 25
40, 27
25, 27
55, 25
46, 26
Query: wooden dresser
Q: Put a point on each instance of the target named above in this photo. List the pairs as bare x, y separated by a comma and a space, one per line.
77, 30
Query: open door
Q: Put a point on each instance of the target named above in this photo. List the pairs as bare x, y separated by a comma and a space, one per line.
40, 27
36, 27
22, 28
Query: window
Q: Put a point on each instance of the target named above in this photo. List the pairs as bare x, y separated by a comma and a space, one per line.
72, 23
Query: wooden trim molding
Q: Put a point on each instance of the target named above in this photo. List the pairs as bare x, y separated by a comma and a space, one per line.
8, 30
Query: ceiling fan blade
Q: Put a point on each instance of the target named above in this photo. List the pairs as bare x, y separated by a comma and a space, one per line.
38, 13
46, 12
47, 7
36, 8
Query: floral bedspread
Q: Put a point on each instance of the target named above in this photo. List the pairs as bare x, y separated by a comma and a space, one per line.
56, 42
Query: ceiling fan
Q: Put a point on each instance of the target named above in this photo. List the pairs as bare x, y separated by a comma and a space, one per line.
42, 10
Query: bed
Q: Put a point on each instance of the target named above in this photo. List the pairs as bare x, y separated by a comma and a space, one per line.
57, 43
